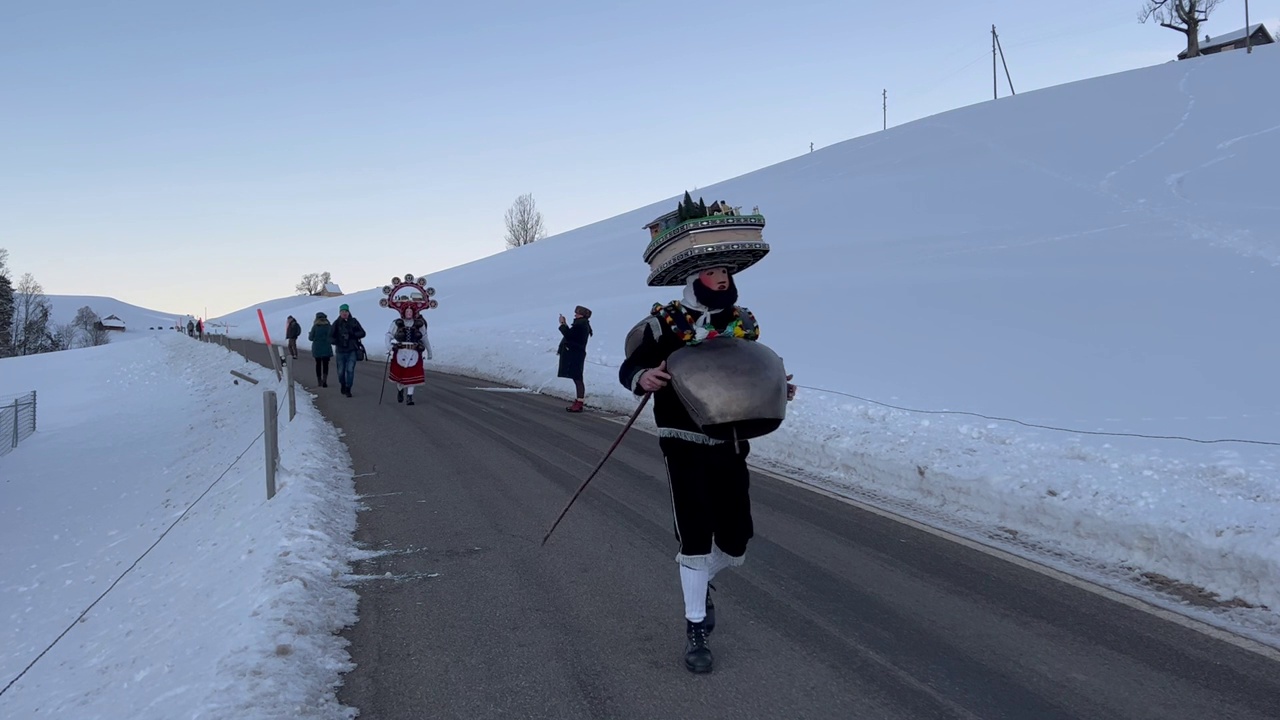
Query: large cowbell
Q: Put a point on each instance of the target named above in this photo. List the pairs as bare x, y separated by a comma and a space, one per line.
734, 389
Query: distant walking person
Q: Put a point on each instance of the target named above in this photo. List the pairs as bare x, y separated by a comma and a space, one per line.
573, 352
191, 329
321, 348
346, 335
292, 331
200, 328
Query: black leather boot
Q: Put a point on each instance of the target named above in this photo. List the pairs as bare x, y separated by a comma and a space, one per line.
697, 655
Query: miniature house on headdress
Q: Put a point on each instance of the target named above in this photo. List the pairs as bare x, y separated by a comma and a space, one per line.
695, 237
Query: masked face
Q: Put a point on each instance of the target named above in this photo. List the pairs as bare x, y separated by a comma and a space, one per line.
715, 278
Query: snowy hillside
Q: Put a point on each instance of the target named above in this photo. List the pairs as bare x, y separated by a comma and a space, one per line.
139, 321
1100, 256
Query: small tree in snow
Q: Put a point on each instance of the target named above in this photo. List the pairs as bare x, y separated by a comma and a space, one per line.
524, 222
31, 311
89, 331
313, 283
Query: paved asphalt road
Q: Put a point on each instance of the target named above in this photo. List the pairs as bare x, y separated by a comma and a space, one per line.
838, 613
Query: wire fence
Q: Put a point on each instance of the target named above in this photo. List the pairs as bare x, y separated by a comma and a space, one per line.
17, 420
996, 418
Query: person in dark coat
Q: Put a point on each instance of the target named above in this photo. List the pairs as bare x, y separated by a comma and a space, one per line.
573, 352
321, 348
345, 336
292, 331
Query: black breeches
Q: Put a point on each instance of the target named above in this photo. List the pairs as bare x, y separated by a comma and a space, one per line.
709, 495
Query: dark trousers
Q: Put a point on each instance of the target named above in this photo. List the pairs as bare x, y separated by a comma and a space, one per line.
322, 370
710, 497
293, 348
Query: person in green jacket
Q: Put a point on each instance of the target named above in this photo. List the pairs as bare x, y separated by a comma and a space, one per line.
321, 348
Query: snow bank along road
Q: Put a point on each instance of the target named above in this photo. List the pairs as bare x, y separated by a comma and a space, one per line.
838, 612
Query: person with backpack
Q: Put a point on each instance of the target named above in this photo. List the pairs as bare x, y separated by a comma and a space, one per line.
292, 331
321, 347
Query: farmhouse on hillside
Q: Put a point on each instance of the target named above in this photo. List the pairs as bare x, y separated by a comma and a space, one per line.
111, 322
1257, 35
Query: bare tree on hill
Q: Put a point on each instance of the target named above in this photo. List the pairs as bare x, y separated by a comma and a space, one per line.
61, 336
524, 222
1185, 16
31, 311
313, 283
89, 329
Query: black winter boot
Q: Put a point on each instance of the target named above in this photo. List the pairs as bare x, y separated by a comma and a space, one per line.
697, 655
409, 401
400, 396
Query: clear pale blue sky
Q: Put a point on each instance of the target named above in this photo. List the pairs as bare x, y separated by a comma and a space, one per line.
181, 156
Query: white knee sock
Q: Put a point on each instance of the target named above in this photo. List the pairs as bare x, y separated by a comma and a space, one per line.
694, 583
719, 561
410, 391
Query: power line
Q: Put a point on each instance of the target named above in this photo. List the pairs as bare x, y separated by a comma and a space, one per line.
1042, 427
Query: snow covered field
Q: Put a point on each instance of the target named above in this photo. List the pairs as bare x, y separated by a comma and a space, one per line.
1100, 256
148, 450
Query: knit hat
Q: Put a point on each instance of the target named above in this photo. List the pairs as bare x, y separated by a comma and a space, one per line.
344, 306
321, 316
584, 312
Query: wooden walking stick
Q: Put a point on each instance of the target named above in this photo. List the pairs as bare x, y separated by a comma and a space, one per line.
386, 367
590, 477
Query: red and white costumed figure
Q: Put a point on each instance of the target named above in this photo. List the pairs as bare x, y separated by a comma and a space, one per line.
407, 336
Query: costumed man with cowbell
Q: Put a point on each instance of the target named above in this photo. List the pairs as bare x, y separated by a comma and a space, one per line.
407, 336
714, 387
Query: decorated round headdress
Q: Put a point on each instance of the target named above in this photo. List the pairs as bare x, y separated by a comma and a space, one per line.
408, 297
695, 237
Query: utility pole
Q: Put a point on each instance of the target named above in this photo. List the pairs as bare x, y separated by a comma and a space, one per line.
1006, 66
1248, 36
995, 73
995, 87
885, 108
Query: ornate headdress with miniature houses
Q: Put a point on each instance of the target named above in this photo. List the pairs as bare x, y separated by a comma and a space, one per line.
695, 237
408, 297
